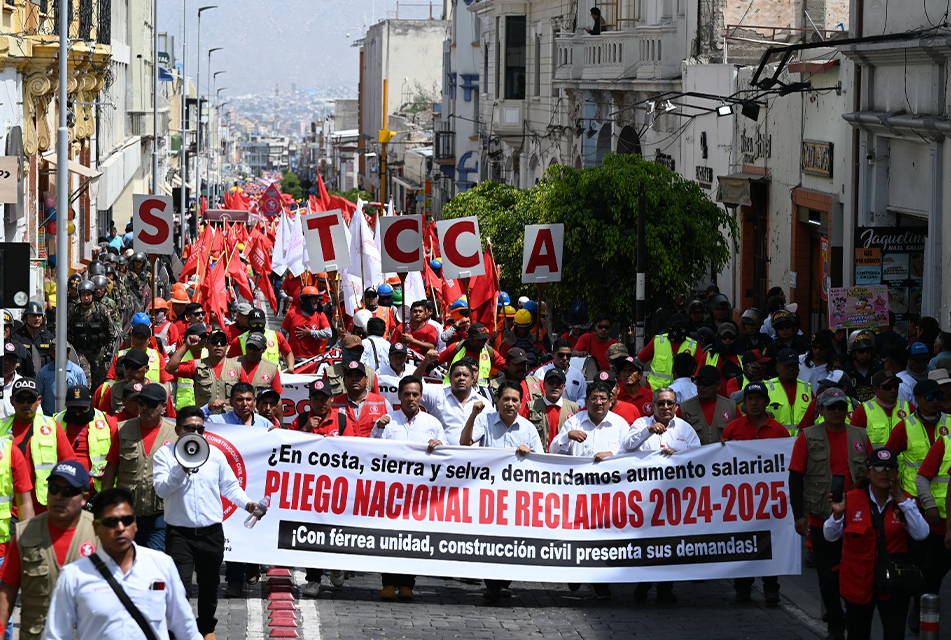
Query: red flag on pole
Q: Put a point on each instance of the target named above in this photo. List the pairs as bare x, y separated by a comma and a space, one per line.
213, 290
260, 259
199, 253
484, 292
324, 197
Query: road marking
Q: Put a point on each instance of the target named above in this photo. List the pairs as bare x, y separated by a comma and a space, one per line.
309, 618
255, 618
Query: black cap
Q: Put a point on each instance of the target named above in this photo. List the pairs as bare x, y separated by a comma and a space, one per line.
678, 318
922, 389
319, 386
781, 317
265, 393
555, 376
257, 339
755, 387
197, 329
478, 330
71, 472
15, 349
27, 384
354, 366
78, 395
399, 347
141, 329
154, 392
882, 457
708, 372
257, 316
132, 390
516, 355
787, 356
136, 357
606, 376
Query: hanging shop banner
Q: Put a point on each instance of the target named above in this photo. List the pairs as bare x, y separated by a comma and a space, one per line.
895, 257
360, 504
858, 307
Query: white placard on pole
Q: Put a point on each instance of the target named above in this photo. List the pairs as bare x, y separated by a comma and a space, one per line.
461, 247
541, 257
153, 224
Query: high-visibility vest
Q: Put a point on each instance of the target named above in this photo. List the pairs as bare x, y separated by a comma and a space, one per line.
6, 488
879, 424
273, 351
779, 406
185, 387
712, 359
42, 450
916, 450
939, 484
485, 363
154, 373
662, 364
98, 441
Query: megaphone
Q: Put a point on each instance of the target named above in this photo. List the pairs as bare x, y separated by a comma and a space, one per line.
191, 451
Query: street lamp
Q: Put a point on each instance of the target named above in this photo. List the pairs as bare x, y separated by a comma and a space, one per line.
183, 163
214, 76
218, 162
198, 120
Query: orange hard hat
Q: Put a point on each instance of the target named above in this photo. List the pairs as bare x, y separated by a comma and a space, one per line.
159, 303
323, 275
394, 281
310, 291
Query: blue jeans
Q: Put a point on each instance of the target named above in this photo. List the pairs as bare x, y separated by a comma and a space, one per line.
151, 532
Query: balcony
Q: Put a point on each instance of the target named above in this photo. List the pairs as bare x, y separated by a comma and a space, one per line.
445, 151
611, 56
89, 21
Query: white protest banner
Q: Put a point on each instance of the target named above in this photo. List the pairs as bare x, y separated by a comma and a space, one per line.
461, 247
541, 257
402, 243
152, 224
358, 504
326, 238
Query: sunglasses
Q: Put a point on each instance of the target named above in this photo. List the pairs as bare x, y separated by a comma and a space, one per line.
64, 490
838, 406
665, 403
883, 469
937, 395
562, 355
197, 314
863, 351
200, 429
603, 327
890, 387
113, 521
706, 383
21, 399
727, 336
218, 341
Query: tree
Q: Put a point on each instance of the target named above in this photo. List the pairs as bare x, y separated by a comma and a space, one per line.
687, 233
290, 184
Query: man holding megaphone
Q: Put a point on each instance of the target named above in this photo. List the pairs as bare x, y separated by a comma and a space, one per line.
192, 477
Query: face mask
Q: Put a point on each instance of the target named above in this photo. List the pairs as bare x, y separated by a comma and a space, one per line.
79, 417
308, 305
677, 334
371, 306
159, 318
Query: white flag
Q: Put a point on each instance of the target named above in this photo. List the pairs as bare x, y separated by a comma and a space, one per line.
296, 255
279, 255
363, 243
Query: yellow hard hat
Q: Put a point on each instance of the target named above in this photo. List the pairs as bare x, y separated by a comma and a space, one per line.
523, 317
508, 311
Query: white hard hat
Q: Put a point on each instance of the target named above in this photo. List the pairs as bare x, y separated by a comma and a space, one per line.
522, 301
361, 317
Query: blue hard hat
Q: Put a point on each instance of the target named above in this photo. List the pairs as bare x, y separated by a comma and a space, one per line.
384, 290
141, 318
531, 305
504, 299
459, 304
436, 264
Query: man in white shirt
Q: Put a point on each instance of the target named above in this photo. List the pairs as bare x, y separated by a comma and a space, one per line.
596, 432
575, 384
376, 348
193, 514
663, 431
684, 368
411, 425
668, 434
83, 602
452, 405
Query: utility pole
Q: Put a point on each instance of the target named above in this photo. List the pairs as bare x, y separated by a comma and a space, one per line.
62, 207
155, 163
183, 163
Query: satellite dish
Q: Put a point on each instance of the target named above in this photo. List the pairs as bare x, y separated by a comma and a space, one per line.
191, 451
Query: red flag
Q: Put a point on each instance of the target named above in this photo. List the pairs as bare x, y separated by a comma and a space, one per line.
199, 253
260, 259
484, 292
313, 203
346, 207
324, 196
430, 240
434, 283
239, 277
451, 291
213, 290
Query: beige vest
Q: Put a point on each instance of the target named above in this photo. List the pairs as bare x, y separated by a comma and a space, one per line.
116, 392
39, 569
210, 387
135, 465
818, 476
692, 412
538, 417
263, 376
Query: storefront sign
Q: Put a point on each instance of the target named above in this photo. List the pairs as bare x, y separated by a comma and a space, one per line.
817, 158
895, 257
665, 160
858, 307
756, 147
705, 177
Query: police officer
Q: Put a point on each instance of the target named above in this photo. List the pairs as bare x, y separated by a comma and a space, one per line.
100, 288
33, 564
36, 337
92, 333
129, 463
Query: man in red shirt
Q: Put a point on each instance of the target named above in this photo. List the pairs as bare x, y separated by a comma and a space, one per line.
595, 343
757, 424
306, 326
914, 436
477, 339
29, 430
550, 412
632, 392
80, 421
216, 396
252, 361
22, 488
361, 406
240, 324
418, 333
140, 338
319, 419
268, 404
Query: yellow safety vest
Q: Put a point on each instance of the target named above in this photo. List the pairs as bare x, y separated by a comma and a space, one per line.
916, 449
787, 415
185, 387
154, 374
98, 441
7, 493
273, 351
485, 364
939, 484
42, 450
879, 424
662, 364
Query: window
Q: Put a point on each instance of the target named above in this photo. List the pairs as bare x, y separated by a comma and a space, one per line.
485, 68
515, 45
498, 57
538, 65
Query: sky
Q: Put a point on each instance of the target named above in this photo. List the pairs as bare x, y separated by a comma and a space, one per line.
268, 42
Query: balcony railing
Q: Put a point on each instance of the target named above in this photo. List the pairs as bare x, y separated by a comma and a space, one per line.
613, 55
445, 145
89, 20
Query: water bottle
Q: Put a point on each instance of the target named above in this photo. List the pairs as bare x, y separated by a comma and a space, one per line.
261, 509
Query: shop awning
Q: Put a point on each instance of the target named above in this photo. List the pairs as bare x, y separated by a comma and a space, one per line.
734, 189
90, 176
